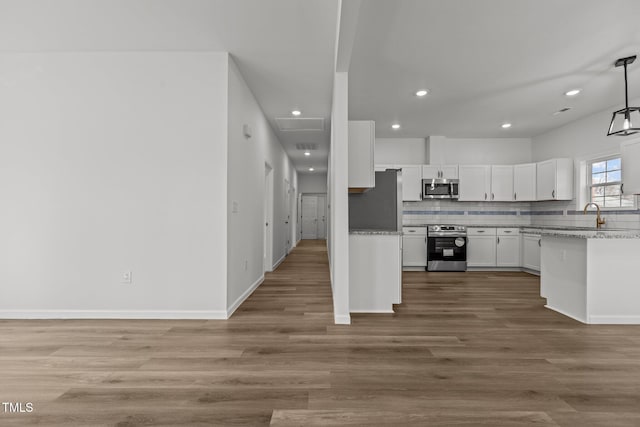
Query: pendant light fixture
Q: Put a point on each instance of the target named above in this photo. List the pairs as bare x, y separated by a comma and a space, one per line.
623, 120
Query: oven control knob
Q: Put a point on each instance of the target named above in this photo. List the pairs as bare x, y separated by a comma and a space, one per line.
436, 228
459, 242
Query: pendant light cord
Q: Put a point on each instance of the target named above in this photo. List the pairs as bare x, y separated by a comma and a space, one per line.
626, 90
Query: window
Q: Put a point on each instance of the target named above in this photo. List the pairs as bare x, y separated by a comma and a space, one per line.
606, 183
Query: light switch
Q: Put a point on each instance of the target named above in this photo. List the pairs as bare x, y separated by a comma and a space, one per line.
234, 207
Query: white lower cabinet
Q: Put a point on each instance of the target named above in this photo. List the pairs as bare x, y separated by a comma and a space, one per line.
375, 273
508, 247
493, 247
414, 247
481, 247
531, 251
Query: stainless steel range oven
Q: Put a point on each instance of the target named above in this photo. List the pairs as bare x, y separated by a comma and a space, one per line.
447, 248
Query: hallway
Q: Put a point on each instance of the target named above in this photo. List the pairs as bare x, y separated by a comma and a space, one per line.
464, 349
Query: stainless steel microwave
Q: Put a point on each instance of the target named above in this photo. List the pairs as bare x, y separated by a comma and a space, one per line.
440, 189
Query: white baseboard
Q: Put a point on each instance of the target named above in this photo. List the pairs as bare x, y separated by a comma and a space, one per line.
342, 319
564, 313
278, 262
244, 296
614, 320
528, 270
115, 314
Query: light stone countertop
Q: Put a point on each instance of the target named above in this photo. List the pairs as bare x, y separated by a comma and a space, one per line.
593, 234
560, 231
375, 232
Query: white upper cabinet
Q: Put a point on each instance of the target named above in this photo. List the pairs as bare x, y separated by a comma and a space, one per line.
554, 180
361, 149
524, 182
449, 171
439, 171
475, 182
502, 183
631, 167
411, 182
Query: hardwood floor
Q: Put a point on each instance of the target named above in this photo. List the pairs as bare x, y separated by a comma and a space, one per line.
464, 349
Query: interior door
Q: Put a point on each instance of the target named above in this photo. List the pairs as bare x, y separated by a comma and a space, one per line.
287, 221
322, 217
309, 217
268, 215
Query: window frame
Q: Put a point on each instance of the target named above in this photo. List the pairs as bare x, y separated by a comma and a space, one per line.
591, 185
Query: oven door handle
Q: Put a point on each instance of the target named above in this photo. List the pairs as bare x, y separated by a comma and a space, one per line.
445, 234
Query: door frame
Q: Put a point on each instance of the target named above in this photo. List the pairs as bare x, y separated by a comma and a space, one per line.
317, 195
267, 223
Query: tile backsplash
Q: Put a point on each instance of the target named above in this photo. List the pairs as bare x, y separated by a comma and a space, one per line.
551, 213
566, 213
466, 213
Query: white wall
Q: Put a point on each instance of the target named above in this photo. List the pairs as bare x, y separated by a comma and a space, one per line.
479, 151
246, 177
581, 138
338, 225
401, 151
443, 150
112, 162
312, 183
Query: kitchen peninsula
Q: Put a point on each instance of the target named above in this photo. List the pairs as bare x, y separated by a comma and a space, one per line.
591, 276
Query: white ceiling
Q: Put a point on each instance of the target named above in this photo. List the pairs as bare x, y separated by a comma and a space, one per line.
485, 62
488, 62
284, 48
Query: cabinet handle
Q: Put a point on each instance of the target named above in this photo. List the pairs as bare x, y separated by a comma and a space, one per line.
485, 196
412, 231
493, 196
497, 240
480, 231
622, 188
515, 196
553, 194
539, 244
507, 231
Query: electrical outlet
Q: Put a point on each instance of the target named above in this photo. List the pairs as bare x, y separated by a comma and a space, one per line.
127, 277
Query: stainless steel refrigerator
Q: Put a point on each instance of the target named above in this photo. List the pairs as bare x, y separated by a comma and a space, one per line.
378, 209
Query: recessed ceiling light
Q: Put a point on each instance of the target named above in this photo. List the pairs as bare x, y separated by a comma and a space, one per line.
506, 125
296, 112
422, 92
572, 92
306, 153
395, 126
311, 169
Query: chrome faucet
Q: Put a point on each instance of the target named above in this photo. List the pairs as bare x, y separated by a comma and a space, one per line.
599, 220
